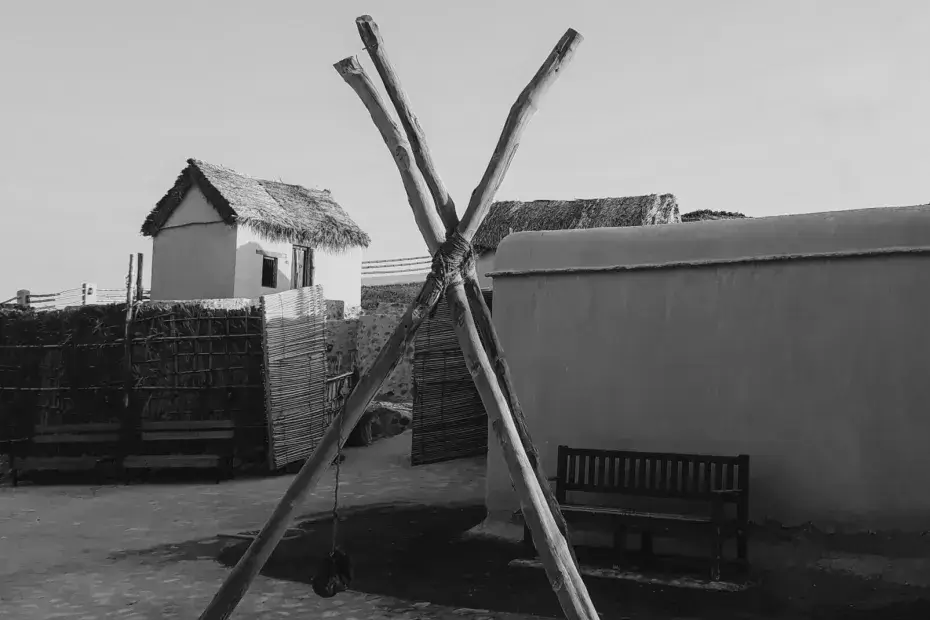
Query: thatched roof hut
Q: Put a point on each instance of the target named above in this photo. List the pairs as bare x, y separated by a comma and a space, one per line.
707, 214
512, 216
277, 211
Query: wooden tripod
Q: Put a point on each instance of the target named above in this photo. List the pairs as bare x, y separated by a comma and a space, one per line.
453, 274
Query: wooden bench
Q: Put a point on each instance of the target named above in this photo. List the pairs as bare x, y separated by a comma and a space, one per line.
714, 482
199, 444
66, 447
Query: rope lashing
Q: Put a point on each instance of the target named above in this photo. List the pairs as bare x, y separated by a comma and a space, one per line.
334, 574
453, 260
452, 263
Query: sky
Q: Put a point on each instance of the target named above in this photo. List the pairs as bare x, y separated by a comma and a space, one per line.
760, 107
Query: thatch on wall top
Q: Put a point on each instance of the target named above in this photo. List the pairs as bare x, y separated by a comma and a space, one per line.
510, 216
276, 211
707, 214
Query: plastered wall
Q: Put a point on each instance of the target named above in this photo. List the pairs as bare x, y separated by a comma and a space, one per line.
815, 367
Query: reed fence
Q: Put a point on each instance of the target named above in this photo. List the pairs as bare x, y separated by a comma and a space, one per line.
86, 383
449, 420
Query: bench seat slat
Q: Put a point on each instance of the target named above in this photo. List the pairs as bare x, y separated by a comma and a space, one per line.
171, 460
186, 435
96, 427
77, 438
624, 512
185, 425
666, 455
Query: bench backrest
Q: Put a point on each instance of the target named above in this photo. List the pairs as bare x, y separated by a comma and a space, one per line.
652, 474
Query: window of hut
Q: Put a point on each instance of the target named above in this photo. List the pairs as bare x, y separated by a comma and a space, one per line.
269, 272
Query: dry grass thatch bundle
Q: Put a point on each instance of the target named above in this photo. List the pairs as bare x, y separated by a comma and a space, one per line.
510, 216
707, 214
277, 211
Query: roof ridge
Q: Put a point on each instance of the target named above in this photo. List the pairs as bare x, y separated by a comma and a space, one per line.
275, 209
589, 199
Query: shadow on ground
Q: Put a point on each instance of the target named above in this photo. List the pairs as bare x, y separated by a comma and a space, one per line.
109, 475
415, 554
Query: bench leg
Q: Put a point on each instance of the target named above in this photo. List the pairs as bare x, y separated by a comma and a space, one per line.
717, 555
742, 535
619, 539
742, 547
528, 540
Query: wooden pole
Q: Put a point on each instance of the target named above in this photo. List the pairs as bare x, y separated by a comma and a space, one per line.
558, 560
250, 564
553, 548
127, 349
497, 168
427, 220
371, 37
495, 352
521, 112
558, 557
139, 260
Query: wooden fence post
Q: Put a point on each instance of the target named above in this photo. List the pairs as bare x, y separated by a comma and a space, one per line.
139, 260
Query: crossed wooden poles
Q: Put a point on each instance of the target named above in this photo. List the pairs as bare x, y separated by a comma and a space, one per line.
453, 274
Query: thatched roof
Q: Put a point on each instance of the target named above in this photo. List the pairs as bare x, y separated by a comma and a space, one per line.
277, 211
707, 214
510, 216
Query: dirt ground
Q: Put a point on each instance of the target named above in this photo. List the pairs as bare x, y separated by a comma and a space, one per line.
158, 550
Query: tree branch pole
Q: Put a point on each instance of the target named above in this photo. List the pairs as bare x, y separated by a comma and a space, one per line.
495, 352
139, 260
555, 552
557, 555
250, 564
498, 165
425, 215
371, 37
238, 581
521, 112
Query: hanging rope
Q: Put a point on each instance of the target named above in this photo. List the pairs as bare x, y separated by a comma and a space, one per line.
334, 574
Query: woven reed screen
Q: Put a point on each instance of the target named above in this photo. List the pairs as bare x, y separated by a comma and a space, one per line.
294, 327
66, 370
449, 421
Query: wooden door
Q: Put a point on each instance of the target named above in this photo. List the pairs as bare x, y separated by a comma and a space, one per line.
302, 274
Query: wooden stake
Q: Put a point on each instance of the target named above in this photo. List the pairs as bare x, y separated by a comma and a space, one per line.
495, 352
573, 597
427, 220
553, 548
520, 114
139, 276
250, 564
371, 37
127, 347
557, 557
497, 168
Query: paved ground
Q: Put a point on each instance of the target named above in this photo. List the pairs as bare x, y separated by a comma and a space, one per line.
63, 549
151, 551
